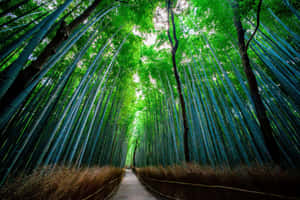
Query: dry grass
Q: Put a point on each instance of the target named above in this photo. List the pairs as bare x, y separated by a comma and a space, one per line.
260, 179
62, 183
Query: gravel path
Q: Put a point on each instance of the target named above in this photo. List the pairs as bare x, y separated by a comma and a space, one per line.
132, 189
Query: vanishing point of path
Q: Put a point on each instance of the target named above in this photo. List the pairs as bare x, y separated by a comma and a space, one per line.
132, 189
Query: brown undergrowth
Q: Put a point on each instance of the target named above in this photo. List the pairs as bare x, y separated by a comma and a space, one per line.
62, 183
197, 182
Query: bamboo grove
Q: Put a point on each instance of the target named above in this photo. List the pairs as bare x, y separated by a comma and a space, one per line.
81, 86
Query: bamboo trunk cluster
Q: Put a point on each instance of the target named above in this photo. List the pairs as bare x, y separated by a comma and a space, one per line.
31, 71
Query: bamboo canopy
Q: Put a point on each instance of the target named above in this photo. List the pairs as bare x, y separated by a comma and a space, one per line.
148, 83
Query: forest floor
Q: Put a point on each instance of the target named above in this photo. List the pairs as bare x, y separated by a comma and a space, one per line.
132, 189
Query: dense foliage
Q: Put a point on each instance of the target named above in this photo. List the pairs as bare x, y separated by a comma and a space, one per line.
108, 89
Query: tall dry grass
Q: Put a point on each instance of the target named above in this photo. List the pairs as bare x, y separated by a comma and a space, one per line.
62, 183
261, 179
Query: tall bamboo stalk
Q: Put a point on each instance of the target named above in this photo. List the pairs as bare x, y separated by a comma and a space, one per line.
259, 106
179, 89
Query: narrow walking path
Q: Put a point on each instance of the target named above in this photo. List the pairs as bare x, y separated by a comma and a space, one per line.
132, 189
